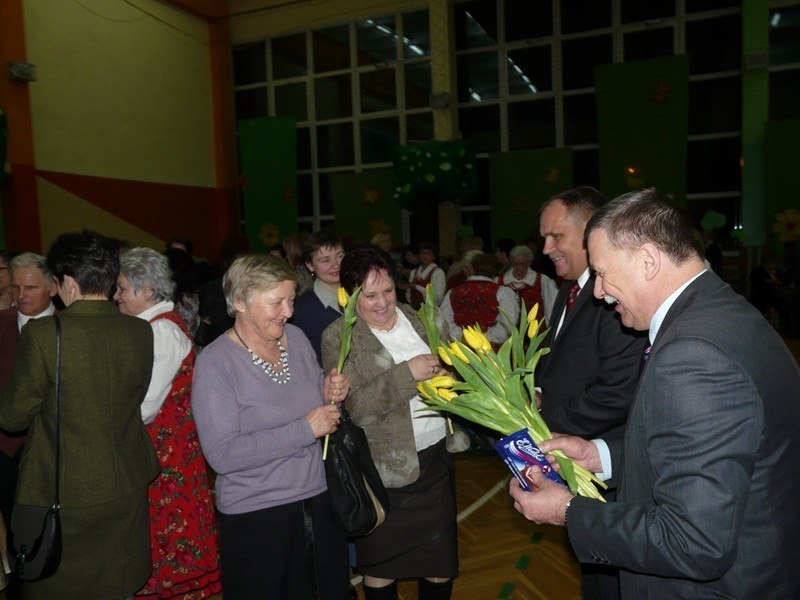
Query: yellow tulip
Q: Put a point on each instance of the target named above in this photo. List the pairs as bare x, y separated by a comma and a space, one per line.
442, 381
456, 351
533, 328
341, 296
444, 356
447, 394
475, 338
533, 312
471, 338
423, 390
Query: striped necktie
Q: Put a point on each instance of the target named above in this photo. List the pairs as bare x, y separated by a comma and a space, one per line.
574, 290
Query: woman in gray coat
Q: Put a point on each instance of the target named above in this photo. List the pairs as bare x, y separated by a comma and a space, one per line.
389, 354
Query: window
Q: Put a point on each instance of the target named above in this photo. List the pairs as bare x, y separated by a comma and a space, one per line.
525, 79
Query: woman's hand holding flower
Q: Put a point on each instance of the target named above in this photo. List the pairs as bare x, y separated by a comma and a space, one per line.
323, 420
335, 387
424, 366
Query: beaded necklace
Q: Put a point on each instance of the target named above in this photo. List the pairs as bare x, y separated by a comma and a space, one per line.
282, 375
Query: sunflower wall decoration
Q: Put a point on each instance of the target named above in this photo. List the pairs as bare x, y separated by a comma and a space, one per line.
787, 225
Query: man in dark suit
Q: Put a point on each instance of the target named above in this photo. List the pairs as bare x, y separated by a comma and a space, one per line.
707, 502
588, 379
32, 287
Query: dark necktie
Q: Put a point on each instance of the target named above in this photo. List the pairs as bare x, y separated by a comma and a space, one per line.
645, 358
574, 290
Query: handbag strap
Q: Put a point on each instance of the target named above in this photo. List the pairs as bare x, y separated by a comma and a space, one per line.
58, 411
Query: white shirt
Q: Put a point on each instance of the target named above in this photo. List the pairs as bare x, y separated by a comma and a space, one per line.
22, 319
500, 331
170, 347
403, 343
549, 287
584, 277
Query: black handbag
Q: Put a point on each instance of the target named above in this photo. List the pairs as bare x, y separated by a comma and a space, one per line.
36, 530
359, 501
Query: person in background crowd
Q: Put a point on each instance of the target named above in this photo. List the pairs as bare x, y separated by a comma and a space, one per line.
409, 261
389, 354
34, 287
294, 255
278, 251
183, 537
262, 403
383, 241
212, 310
479, 300
708, 487
530, 286
6, 299
712, 250
186, 297
502, 247
427, 272
466, 270
468, 244
201, 272
106, 457
319, 307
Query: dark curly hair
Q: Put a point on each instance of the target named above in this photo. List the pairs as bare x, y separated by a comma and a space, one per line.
358, 264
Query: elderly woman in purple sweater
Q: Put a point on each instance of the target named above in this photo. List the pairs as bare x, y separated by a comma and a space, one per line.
261, 404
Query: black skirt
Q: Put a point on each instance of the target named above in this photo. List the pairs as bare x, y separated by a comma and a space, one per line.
265, 553
419, 537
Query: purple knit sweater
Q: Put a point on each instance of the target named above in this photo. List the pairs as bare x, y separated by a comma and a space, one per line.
253, 431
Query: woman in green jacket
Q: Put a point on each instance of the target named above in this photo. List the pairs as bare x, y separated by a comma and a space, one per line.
107, 459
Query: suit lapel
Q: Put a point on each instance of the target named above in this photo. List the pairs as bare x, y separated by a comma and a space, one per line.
584, 296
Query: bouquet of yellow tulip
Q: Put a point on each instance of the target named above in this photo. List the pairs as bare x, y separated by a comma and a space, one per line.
497, 390
349, 306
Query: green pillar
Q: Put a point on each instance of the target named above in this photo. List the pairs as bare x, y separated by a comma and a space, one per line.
755, 112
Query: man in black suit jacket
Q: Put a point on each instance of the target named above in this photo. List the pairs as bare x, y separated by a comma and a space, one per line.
588, 379
707, 502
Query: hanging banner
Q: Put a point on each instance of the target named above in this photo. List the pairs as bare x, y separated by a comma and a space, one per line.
642, 125
520, 182
268, 159
364, 205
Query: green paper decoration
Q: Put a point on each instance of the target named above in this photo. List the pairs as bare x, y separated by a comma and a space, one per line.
712, 220
446, 167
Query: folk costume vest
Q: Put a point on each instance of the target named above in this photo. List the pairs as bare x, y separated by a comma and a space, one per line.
530, 294
422, 280
475, 302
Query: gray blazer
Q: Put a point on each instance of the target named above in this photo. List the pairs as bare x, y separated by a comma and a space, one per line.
380, 390
708, 499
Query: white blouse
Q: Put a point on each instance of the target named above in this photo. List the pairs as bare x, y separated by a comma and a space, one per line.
170, 347
403, 343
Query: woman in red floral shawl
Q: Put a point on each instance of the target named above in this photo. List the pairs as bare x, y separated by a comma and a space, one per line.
183, 532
